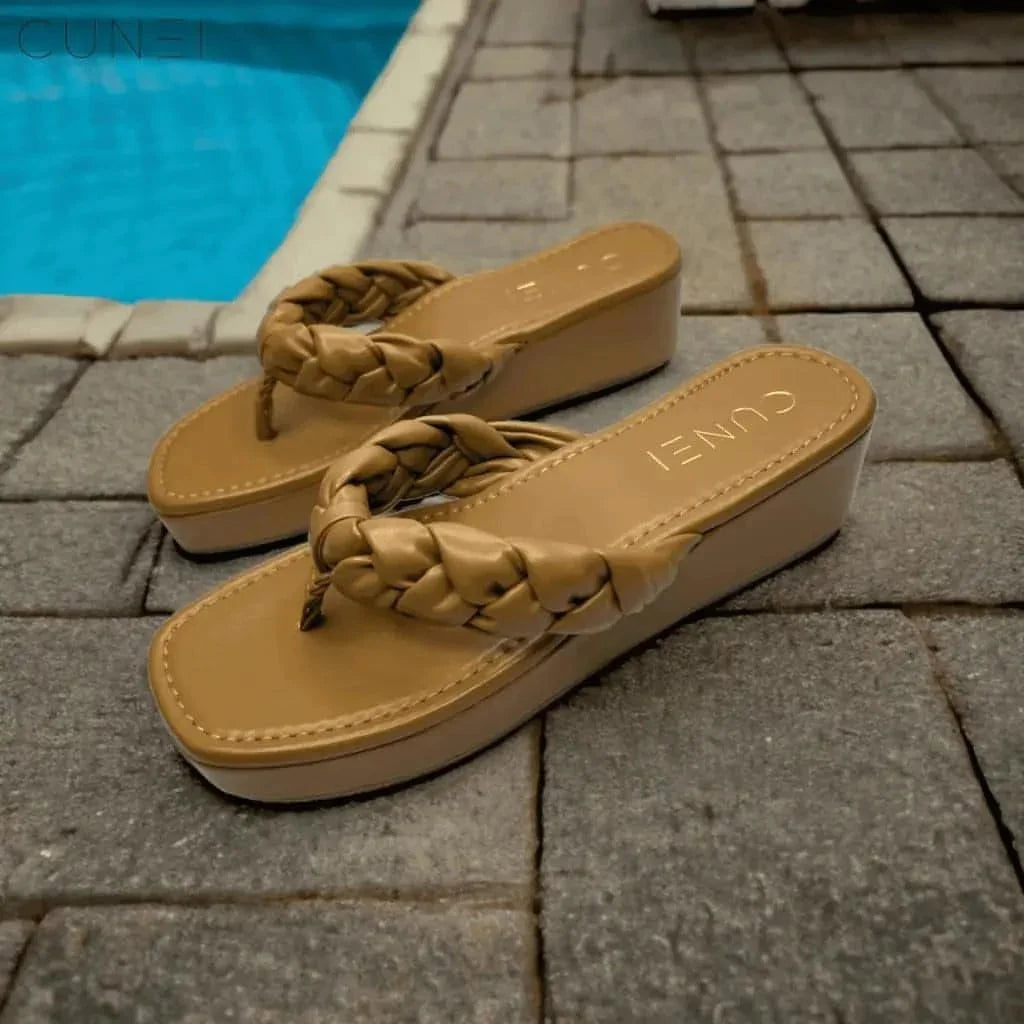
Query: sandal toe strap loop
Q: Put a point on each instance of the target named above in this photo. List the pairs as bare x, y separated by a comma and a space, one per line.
457, 575
303, 343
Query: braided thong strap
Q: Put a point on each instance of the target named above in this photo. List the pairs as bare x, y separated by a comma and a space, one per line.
302, 342
455, 574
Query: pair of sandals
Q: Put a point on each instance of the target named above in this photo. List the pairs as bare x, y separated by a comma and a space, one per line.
409, 634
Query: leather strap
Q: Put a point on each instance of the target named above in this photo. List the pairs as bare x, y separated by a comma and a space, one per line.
303, 343
455, 574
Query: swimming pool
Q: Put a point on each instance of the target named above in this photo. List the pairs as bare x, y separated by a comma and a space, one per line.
154, 151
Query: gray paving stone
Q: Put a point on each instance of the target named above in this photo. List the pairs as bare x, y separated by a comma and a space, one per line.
177, 579
918, 532
100, 440
490, 62
639, 115
773, 818
75, 557
618, 38
813, 41
988, 346
533, 21
933, 181
928, 37
973, 259
316, 962
827, 264
103, 805
980, 658
703, 340
13, 936
879, 109
519, 118
28, 384
495, 188
1003, 32
766, 112
804, 184
731, 44
685, 195
910, 376
988, 103
1009, 161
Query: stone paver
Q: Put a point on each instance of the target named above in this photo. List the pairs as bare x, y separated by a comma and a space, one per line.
879, 108
639, 115
28, 386
684, 194
802, 184
519, 118
829, 264
533, 21
733, 44
933, 181
525, 189
773, 818
316, 962
962, 259
99, 442
703, 340
618, 39
935, 38
762, 112
980, 658
811, 41
988, 103
1009, 161
96, 802
166, 329
910, 376
178, 579
988, 346
491, 62
918, 532
75, 557
13, 936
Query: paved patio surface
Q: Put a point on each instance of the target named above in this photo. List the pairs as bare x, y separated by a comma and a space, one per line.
806, 806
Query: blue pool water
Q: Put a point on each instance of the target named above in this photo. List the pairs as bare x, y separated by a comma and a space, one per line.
162, 150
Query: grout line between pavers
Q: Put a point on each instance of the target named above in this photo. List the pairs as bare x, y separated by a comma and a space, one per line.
752, 270
945, 686
920, 303
8, 990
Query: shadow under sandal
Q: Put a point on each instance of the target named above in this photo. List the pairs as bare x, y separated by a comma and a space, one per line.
243, 468
394, 645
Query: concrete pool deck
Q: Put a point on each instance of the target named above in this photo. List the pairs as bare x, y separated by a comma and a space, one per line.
807, 805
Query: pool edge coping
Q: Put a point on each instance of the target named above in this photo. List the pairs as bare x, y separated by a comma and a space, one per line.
352, 191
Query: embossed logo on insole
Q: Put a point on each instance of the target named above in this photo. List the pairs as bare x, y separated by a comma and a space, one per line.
694, 444
531, 291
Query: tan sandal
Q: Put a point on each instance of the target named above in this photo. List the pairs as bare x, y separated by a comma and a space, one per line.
426, 636
243, 468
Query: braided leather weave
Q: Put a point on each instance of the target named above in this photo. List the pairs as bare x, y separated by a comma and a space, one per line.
302, 342
455, 574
